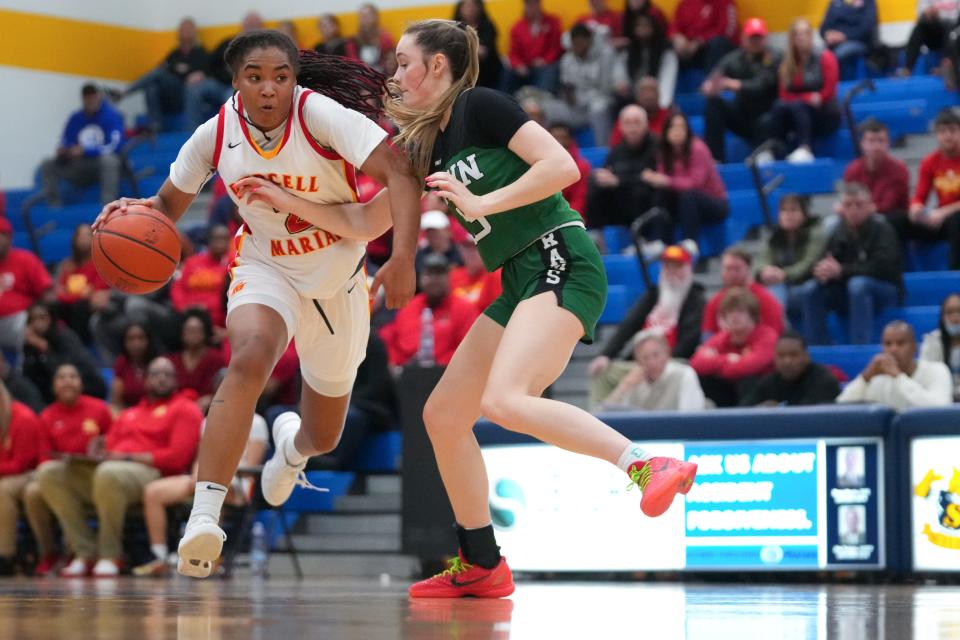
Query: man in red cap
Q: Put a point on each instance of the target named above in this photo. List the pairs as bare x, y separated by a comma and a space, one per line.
23, 281
750, 74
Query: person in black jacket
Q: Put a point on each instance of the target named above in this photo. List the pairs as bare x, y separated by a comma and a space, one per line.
616, 194
474, 14
674, 307
860, 274
750, 73
163, 87
48, 345
796, 380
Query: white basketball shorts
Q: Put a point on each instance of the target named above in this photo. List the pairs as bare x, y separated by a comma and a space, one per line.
331, 334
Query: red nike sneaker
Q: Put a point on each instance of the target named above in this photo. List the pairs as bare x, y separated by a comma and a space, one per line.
661, 479
463, 579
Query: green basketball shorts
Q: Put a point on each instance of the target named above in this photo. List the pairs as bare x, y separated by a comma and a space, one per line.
564, 261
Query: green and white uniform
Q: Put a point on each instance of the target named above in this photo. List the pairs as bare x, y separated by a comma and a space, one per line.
541, 246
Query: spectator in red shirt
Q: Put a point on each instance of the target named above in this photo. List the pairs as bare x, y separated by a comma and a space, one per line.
22, 447
703, 31
23, 281
428, 330
79, 288
472, 280
807, 106
575, 194
374, 46
735, 272
606, 24
202, 278
730, 363
129, 369
940, 172
535, 50
72, 422
198, 361
158, 437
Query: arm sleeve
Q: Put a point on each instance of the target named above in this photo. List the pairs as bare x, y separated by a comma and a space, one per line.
691, 396
831, 76
705, 364
700, 169
824, 391
350, 133
756, 361
194, 164
856, 391
629, 326
493, 117
924, 181
762, 84
801, 270
758, 393
883, 262
184, 438
39, 276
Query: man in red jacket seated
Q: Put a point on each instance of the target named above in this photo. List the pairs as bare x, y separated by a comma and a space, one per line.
71, 423
735, 271
202, 278
427, 331
534, 50
22, 446
23, 281
155, 438
703, 31
730, 363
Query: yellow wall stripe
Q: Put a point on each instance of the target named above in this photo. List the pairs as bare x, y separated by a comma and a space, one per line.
62, 45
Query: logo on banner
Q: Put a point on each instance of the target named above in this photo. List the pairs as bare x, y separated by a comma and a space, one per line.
507, 503
946, 532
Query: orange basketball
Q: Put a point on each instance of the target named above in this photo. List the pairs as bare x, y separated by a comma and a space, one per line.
136, 251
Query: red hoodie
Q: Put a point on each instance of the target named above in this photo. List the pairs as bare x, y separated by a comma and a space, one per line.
71, 428
526, 46
756, 355
25, 443
169, 429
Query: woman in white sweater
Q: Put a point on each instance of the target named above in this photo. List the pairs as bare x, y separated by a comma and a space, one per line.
943, 344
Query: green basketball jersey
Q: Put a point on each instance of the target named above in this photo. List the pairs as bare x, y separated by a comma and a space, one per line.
473, 148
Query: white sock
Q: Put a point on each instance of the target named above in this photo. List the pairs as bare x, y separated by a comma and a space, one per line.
630, 455
292, 455
160, 550
208, 501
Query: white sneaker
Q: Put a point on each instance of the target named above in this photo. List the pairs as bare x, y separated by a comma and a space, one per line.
106, 568
801, 155
201, 545
78, 568
280, 477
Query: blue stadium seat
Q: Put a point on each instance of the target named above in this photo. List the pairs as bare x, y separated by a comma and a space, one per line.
818, 176
745, 207
624, 270
717, 237
616, 238
902, 117
851, 359
692, 103
379, 453
63, 218
584, 137
838, 146
689, 80
923, 319
596, 156
618, 301
15, 198
927, 256
929, 287
55, 246
21, 240
697, 125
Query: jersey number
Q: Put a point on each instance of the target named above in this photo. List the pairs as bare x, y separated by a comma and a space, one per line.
485, 229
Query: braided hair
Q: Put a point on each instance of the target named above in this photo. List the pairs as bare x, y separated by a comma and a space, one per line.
345, 80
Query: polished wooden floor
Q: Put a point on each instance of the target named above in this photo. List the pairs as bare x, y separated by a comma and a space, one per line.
133, 609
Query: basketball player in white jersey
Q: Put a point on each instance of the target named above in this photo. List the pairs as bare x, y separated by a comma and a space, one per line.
290, 279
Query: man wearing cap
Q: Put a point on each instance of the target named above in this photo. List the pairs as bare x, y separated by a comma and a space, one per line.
88, 150
428, 330
437, 239
23, 281
673, 308
750, 73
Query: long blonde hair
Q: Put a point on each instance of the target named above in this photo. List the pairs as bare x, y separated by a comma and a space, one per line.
791, 62
418, 129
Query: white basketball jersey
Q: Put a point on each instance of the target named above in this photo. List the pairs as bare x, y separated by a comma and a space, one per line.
318, 263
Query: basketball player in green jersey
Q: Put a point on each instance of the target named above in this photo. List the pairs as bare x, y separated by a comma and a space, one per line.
503, 175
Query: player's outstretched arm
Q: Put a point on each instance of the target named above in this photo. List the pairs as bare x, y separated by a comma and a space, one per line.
348, 220
169, 201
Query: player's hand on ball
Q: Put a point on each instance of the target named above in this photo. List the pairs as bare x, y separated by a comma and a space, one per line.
449, 188
252, 189
121, 205
398, 277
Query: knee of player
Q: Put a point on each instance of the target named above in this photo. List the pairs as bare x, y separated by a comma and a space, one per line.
498, 406
254, 360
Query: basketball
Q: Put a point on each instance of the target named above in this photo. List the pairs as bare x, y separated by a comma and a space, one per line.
136, 251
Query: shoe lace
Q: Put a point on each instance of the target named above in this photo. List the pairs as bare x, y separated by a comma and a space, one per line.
303, 482
639, 477
455, 566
